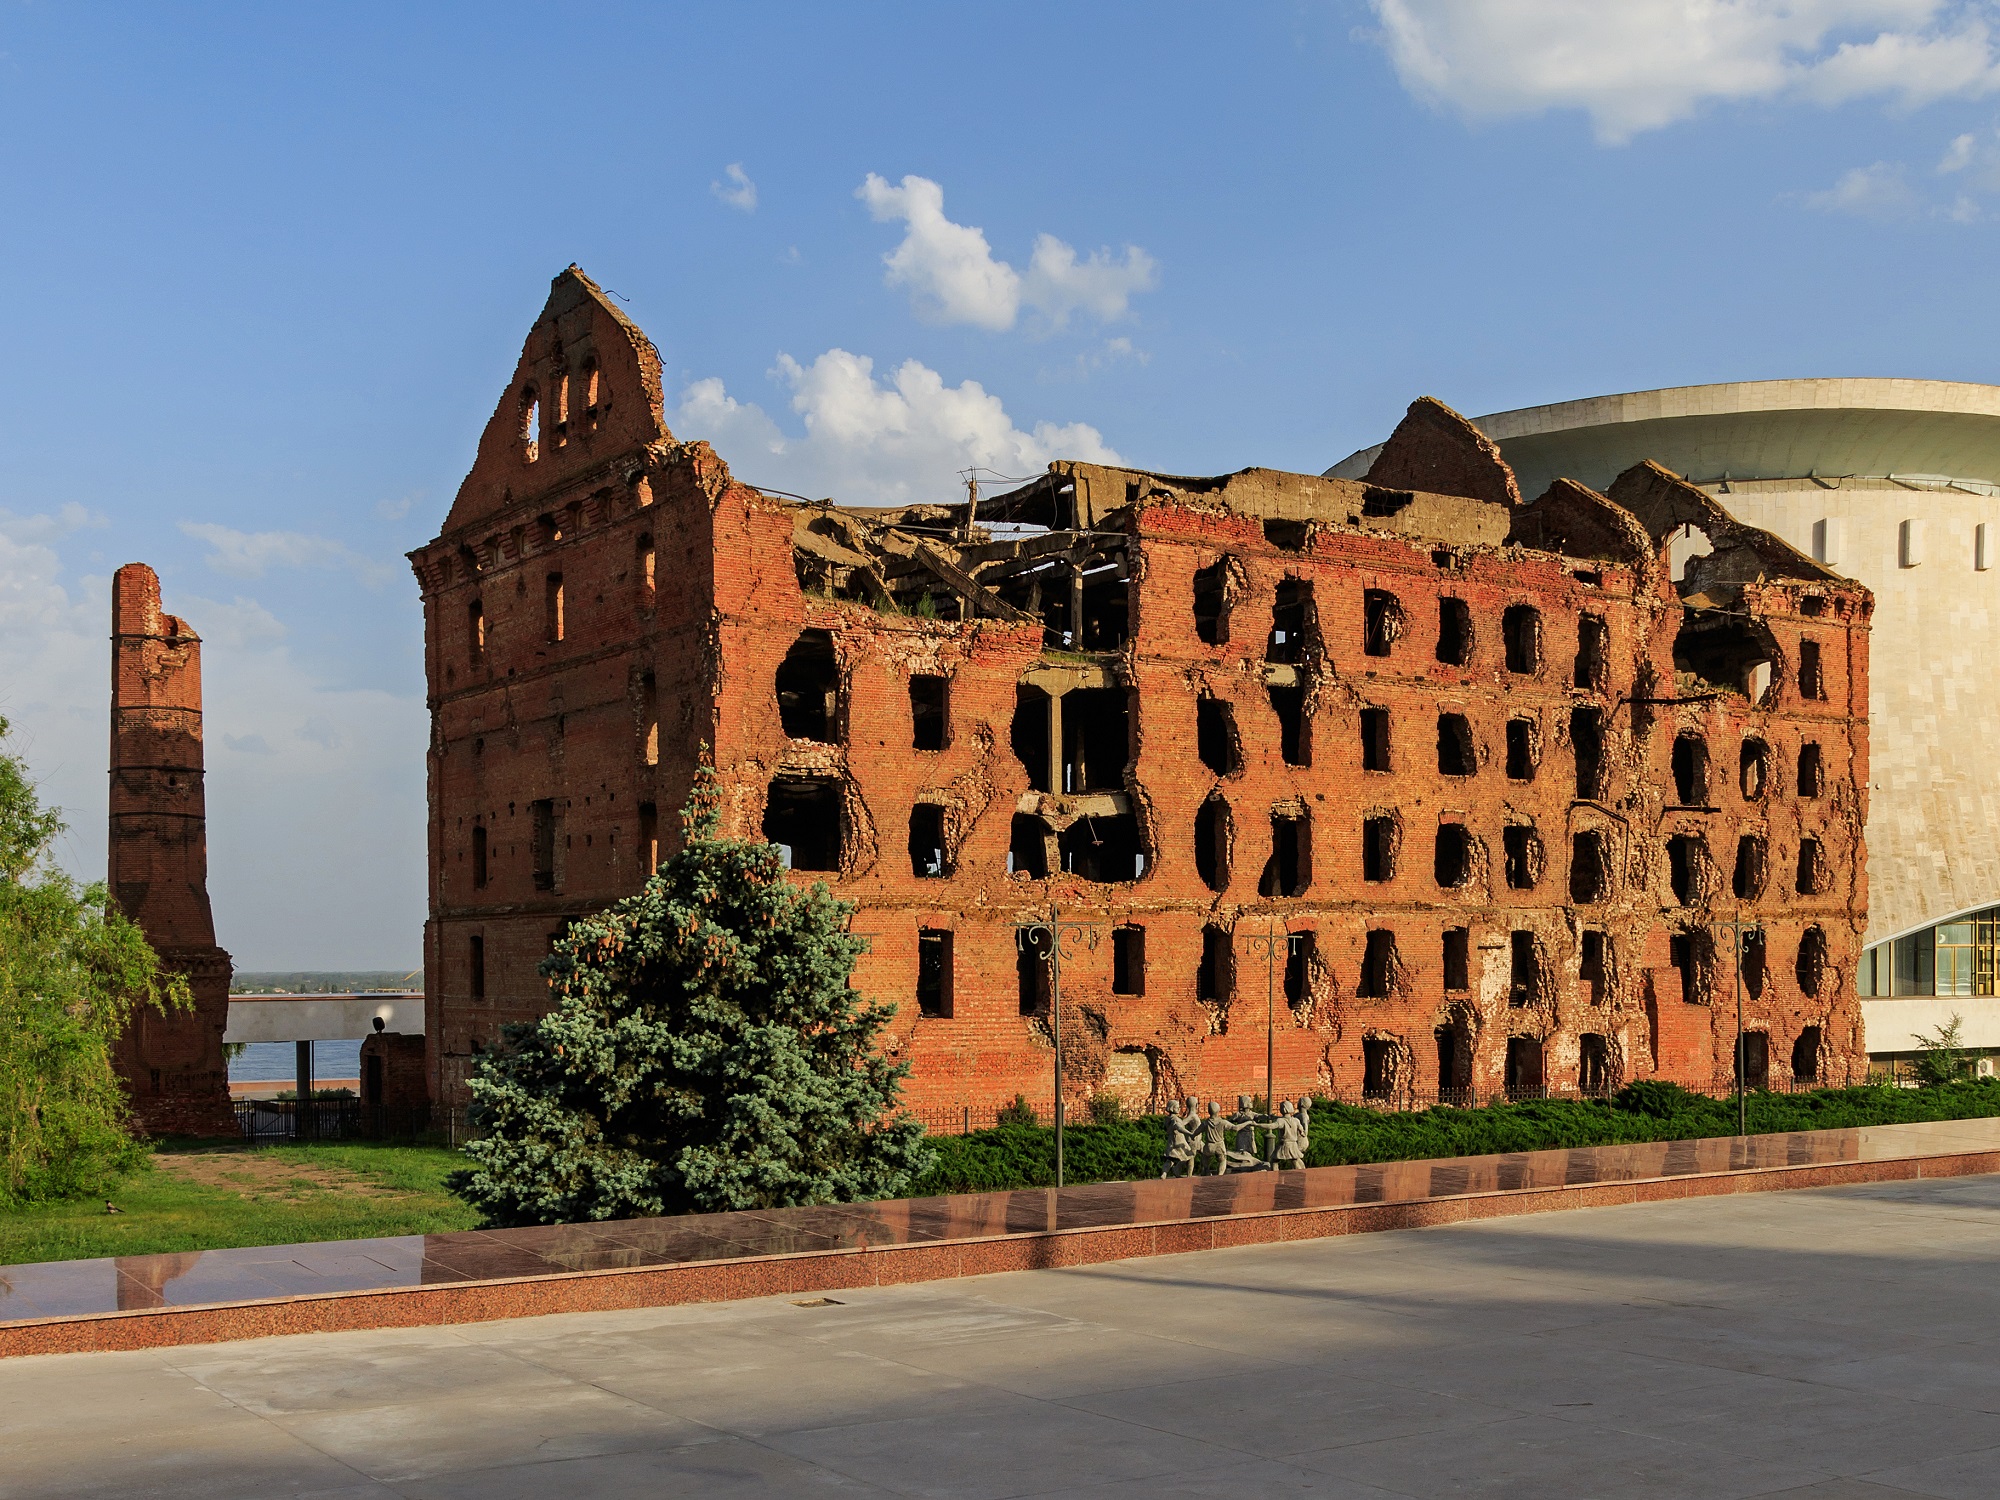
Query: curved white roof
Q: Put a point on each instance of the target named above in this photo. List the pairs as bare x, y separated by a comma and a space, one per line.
1755, 429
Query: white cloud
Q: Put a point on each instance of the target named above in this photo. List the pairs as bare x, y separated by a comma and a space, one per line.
395, 510
1958, 155
1637, 65
741, 191
952, 275
1879, 191
883, 441
1890, 191
250, 554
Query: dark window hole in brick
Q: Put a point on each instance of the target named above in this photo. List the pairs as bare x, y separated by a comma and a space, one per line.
1812, 872
1216, 980
1378, 848
1378, 965
1380, 502
1747, 883
1589, 867
1521, 750
542, 842
1289, 704
1725, 651
1212, 837
1029, 735
1378, 1067
1593, 1064
1107, 609
649, 838
1521, 629
1292, 621
1027, 847
1451, 859
808, 685
1593, 652
1756, 1059
1693, 954
475, 631
1215, 736
476, 958
1753, 769
934, 973
927, 852
1299, 949
1524, 857
1593, 967
555, 623
1031, 974
929, 711
1812, 682
1096, 736
478, 857
1211, 603
1686, 859
1586, 744
1103, 850
1128, 960
1754, 967
1454, 646
1375, 739
649, 719
1458, 958
1690, 769
1382, 622
1454, 1057
1810, 967
1811, 777
1524, 968
1288, 536
1456, 755
802, 817
1289, 870
1523, 1078
1805, 1056
1812, 606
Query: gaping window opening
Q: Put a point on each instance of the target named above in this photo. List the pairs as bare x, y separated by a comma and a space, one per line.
1693, 954
1687, 868
1299, 949
1524, 968
927, 846
1593, 653
1812, 680
1456, 755
643, 571
1813, 875
802, 817
1378, 965
1029, 735
1451, 858
1382, 622
1586, 745
592, 393
649, 838
476, 966
475, 631
557, 626
1105, 850
1524, 857
1215, 736
1292, 621
1211, 603
1810, 967
1523, 1076
1457, 958
808, 688
1289, 704
1375, 739
1454, 645
1812, 774
1754, 967
934, 973
1378, 1067
1215, 982
1128, 960
649, 719
1690, 768
1593, 1065
478, 857
929, 711
1212, 837
1756, 1059
1593, 970
1106, 606
542, 842
1032, 975
1289, 871
1288, 536
1805, 1056
1521, 628
1589, 867
1747, 882
1523, 749
1027, 847
1096, 739
1378, 847
1753, 769
531, 421
1454, 1059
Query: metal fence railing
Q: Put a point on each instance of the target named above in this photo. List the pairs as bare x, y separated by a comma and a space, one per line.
266, 1122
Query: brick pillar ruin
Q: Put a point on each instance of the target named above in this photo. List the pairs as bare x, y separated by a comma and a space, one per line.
173, 1065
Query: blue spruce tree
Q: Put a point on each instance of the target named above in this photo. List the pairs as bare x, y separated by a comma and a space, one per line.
705, 1053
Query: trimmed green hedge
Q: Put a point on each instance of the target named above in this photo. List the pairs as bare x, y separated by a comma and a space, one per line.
1017, 1156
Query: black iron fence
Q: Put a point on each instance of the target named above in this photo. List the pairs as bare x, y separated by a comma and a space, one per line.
266, 1122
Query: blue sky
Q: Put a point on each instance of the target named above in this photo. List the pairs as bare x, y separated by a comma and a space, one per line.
271, 266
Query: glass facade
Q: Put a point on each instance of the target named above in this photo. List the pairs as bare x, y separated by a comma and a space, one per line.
1960, 957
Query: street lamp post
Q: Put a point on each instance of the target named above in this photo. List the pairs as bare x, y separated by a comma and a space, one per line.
1737, 927
1047, 938
1267, 944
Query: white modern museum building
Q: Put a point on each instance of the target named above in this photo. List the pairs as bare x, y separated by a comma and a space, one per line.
1896, 484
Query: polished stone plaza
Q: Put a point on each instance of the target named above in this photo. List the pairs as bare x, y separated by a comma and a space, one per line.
1828, 1343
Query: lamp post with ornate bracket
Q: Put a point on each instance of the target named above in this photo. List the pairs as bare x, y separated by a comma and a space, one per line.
1267, 945
1048, 938
1737, 927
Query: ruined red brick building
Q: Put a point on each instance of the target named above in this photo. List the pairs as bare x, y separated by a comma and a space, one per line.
1467, 783
173, 1065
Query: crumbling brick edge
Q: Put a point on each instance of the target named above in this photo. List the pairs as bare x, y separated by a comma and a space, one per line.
620, 1289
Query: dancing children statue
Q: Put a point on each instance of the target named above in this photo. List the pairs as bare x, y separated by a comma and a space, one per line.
1180, 1139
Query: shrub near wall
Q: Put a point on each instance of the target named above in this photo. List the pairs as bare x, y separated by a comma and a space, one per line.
1019, 1156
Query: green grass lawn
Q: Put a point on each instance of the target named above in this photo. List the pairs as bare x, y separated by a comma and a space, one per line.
194, 1196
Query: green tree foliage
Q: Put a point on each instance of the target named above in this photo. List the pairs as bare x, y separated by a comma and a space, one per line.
72, 972
705, 1053
1942, 1057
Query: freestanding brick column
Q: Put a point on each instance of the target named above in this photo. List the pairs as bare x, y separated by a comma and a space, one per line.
172, 1065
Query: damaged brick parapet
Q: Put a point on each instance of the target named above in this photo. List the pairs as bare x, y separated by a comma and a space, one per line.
172, 1064
1463, 784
